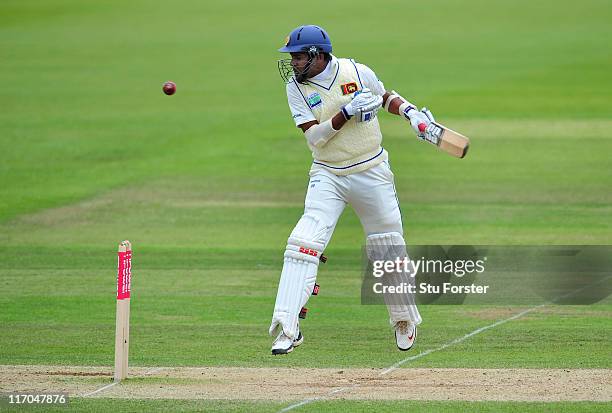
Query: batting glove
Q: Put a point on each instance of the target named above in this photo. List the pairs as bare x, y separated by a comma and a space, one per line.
417, 119
364, 104
368, 112
432, 132
428, 113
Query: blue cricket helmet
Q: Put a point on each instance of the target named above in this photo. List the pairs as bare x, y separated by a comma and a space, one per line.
303, 38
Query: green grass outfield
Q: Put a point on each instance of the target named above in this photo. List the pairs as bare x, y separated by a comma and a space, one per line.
88, 405
208, 183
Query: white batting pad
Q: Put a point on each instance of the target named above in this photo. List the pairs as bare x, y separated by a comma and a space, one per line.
390, 246
299, 274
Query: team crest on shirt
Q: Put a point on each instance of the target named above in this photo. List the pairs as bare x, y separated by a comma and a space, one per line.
314, 100
349, 88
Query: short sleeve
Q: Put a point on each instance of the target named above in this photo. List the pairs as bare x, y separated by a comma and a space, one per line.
300, 111
370, 80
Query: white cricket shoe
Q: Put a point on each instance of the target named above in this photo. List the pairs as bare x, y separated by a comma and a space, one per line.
299, 340
405, 335
285, 345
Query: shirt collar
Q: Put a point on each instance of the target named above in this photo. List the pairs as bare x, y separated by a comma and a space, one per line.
328, 75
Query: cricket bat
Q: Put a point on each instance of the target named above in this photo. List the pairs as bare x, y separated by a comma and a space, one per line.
451, 142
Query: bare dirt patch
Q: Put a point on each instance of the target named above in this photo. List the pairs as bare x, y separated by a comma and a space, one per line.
282, 384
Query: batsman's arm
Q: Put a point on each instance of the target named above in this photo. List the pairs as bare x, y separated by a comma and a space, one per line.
397, 105
394, 104
337, 122
318, 134
364, 105
427, 129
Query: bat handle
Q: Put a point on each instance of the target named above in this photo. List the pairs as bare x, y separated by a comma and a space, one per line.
422, 127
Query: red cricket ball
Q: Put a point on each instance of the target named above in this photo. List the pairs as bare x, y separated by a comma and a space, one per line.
169, 88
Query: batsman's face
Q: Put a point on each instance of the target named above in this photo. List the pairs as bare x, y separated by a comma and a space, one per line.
299, 61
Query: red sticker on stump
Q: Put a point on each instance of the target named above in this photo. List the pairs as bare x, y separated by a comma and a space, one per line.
124, 274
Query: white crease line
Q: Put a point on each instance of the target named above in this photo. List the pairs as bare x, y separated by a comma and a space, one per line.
460, 339
423, 354
444, 346
108, 386
314, 399
303, 402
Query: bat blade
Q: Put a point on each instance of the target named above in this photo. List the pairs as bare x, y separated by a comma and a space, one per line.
451, 142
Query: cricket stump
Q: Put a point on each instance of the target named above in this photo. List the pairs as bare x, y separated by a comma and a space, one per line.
122, 326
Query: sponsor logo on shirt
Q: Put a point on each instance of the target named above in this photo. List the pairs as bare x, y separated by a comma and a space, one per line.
314, 100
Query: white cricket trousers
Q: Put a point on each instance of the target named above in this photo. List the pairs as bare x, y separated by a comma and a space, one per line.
371, 193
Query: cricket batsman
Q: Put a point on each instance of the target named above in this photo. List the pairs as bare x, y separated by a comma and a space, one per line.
334, 101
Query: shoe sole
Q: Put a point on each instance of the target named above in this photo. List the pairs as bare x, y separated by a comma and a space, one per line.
280, 351
299, 340
413, 341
